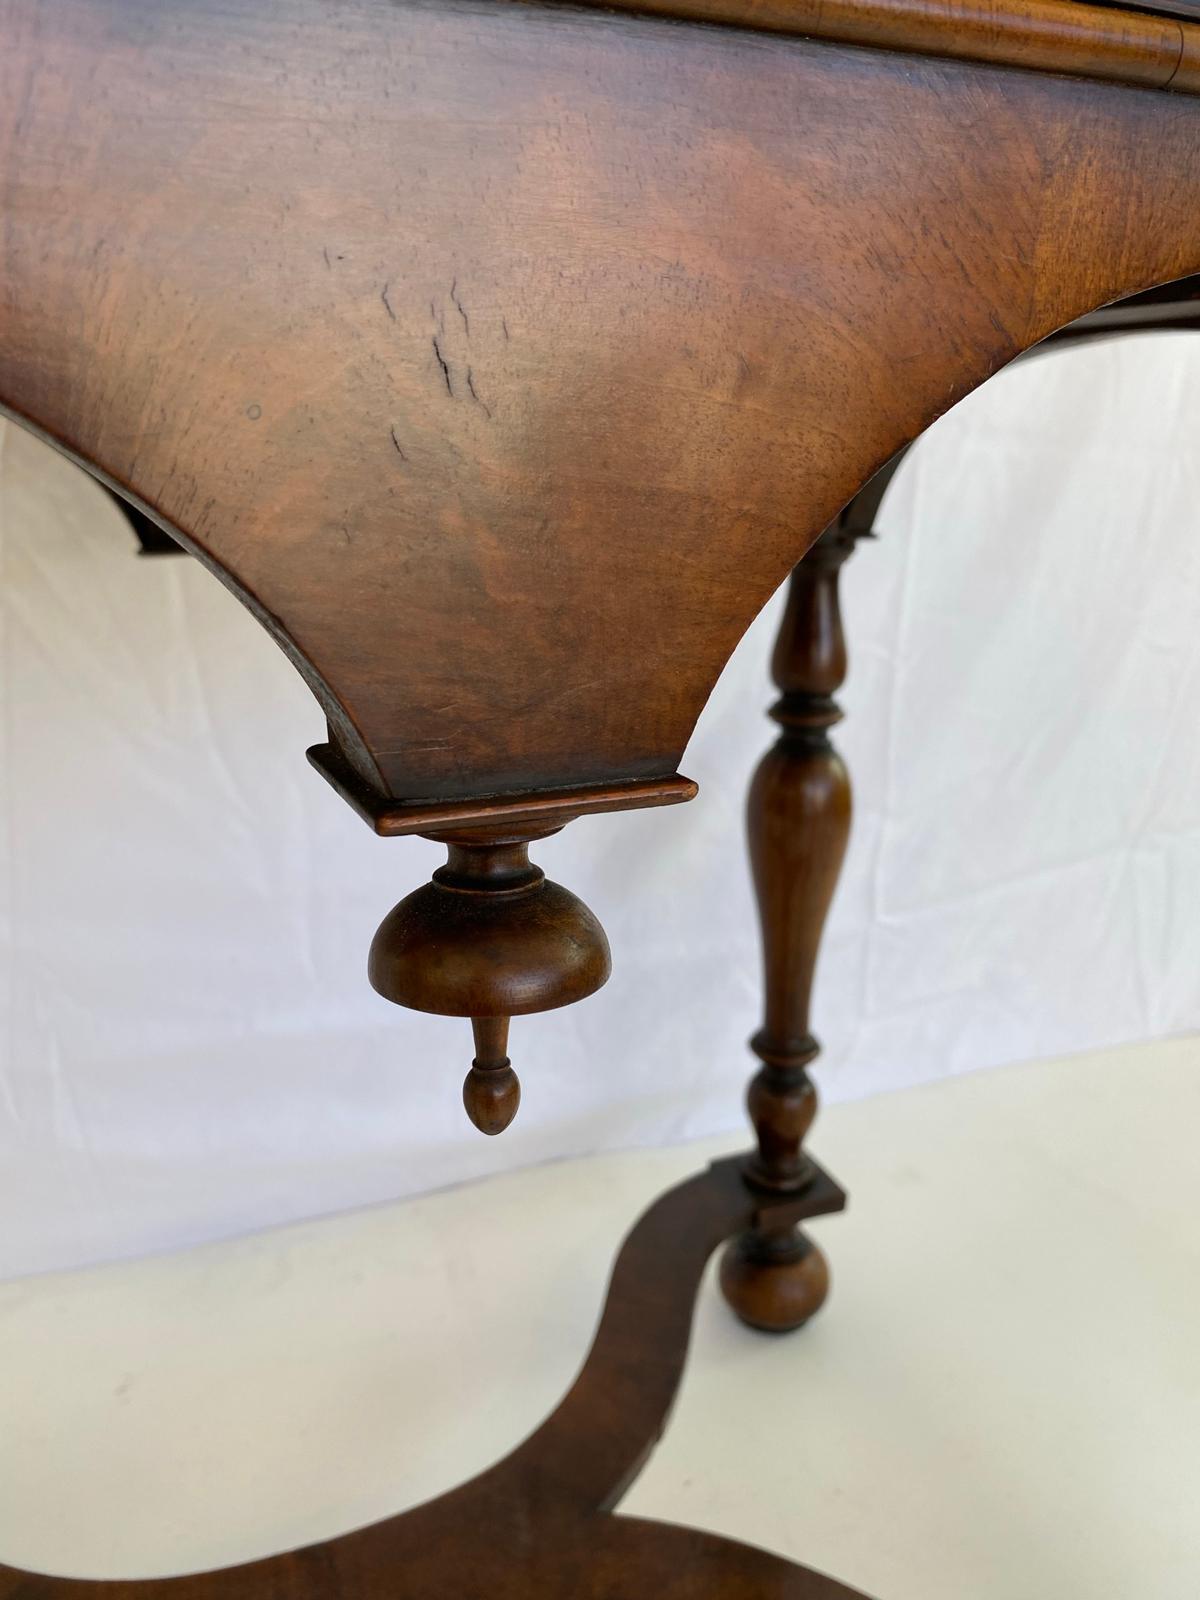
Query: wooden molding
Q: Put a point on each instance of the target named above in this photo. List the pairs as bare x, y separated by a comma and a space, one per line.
553, 807
1136, 47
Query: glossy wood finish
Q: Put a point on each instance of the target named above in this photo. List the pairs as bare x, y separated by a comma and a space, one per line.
437, 330
537, 1526
799, 813
1118, 44
490, 938
550, 808
1170, 307
503, 359
798, 820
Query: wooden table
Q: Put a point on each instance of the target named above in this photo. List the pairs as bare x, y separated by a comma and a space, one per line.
503, 358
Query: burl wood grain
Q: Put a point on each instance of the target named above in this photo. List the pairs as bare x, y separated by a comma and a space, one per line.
504, 359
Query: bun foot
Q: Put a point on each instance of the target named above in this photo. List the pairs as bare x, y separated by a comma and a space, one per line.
774, 1282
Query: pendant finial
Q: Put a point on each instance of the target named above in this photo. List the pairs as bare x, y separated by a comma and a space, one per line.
489, 938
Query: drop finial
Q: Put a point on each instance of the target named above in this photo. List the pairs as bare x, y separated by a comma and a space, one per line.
489, 939
491, 1090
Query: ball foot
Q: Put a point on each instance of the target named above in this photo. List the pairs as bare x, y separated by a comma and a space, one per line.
774, 1281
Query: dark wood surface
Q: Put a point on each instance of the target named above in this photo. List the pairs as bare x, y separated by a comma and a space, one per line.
490, 938
505, 358
798, 822
538, 1525
1118, 43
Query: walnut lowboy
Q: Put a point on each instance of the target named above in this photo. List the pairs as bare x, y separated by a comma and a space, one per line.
503, 359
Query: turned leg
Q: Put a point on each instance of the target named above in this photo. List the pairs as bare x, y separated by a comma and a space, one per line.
798, 820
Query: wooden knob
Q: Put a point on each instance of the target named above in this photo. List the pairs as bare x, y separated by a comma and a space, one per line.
491, 1090
489, 938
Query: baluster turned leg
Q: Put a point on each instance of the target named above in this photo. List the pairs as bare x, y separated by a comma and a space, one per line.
798, 821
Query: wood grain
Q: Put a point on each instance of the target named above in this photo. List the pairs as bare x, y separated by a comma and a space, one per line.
798, 825
489, 938
1091, 41
536, 1526
505, 359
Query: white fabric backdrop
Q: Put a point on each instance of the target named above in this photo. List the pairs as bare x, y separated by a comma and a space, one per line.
189, 1045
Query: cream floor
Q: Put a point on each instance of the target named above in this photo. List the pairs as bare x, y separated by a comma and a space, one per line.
1000, 1402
